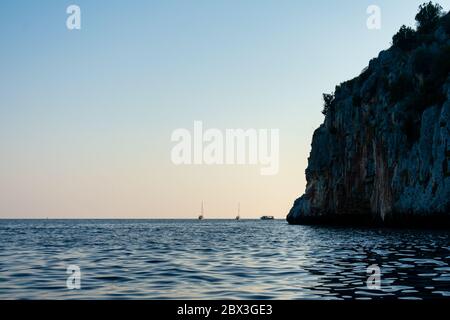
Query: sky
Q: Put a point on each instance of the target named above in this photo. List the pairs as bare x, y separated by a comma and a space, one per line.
86, 116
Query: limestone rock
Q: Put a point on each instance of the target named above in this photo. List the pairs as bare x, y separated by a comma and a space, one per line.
382, 155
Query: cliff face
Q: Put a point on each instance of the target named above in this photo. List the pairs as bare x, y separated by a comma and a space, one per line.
382, 154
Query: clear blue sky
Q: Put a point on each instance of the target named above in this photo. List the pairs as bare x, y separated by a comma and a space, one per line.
86, 116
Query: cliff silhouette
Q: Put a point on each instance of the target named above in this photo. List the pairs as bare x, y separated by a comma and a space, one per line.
382, 155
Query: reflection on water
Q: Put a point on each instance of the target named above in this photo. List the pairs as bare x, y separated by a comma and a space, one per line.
184, 259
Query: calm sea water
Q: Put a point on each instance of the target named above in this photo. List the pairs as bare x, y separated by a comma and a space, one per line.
213, 259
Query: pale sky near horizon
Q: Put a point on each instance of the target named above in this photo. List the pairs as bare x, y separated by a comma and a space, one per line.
86, 116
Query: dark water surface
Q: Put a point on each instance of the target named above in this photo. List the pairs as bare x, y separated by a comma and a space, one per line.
214, 259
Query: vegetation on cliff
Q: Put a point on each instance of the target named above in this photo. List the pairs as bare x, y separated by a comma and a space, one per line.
382, 153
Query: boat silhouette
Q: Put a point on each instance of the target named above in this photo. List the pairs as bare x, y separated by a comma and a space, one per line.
201, 216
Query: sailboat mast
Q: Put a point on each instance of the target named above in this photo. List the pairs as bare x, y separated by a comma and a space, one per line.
200, 217
238, 217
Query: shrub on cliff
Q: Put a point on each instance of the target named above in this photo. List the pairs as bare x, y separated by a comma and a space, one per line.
428, 17
421, 61
400, 88
328, 100
405, 38
439, 73
411, 129
446, 23
440, 66
435, 70
356, 100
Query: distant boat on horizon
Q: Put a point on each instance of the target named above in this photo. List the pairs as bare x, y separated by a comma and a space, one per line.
201, 215
267, 218
238, 217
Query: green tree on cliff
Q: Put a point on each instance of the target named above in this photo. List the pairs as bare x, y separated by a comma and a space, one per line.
428, 17
405, 38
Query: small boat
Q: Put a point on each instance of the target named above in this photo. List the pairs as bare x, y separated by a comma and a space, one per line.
201, 215
267, 218
238, 217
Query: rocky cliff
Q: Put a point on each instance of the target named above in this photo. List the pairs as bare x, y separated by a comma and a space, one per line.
382, 155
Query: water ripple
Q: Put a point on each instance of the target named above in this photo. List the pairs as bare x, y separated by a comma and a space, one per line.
188, 259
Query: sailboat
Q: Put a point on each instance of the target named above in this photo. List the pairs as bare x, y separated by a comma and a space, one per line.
238, 217
201, 216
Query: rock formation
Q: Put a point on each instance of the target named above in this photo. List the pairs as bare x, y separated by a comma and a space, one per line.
382, 155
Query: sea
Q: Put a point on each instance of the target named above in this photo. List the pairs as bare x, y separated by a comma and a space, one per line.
219, 259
